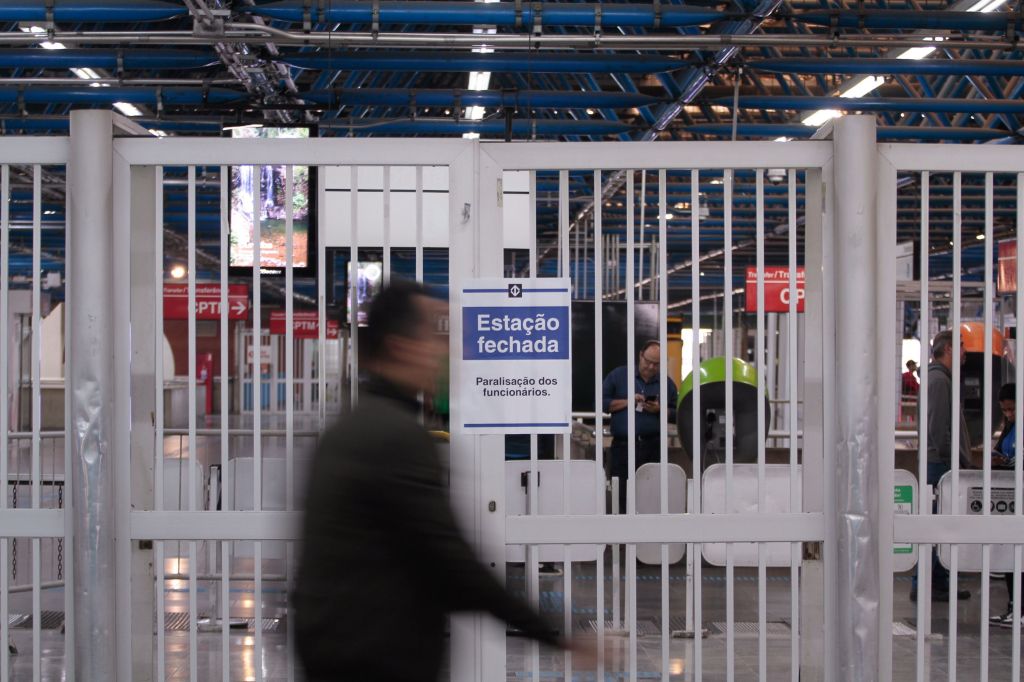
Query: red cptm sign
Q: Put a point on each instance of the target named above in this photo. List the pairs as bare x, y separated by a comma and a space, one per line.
207, 302
305, 325
776, 289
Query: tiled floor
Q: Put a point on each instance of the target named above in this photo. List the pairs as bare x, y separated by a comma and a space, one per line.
275, 661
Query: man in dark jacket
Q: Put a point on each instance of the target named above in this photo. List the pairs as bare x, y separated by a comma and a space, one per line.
941, 413
382, 562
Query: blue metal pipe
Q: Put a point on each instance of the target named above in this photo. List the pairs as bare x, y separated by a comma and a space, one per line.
520, 127
493, 14
930, 67
448, 62
483, 98
36, 58
92, 11
909, 19
137, 95
884, 132
907, 104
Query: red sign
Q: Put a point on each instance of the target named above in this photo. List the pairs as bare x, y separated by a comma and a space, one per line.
305, 325
776, 289
207, 301
1007, 278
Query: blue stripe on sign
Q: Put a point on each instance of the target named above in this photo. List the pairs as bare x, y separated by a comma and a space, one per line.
545, 291
485, 291
481, 426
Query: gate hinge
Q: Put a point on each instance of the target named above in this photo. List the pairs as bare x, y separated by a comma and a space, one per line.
812, 551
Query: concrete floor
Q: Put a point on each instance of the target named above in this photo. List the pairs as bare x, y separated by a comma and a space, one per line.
275, 661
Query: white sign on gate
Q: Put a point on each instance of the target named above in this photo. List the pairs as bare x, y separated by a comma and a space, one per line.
516, 371
971, 503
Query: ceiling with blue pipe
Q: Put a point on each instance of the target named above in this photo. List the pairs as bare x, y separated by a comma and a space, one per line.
931, 71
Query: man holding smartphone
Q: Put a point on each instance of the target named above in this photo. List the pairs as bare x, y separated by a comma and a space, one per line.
641, 393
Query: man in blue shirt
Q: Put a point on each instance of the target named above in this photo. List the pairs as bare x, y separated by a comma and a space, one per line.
642, 393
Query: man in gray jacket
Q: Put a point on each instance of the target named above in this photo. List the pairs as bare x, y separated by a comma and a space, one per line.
940, 440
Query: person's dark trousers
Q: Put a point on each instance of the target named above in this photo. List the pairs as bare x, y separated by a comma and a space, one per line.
1009, 593
647, 451
940, 576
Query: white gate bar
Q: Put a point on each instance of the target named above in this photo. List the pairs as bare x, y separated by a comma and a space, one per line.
353, 279
792, 386
958, 529
5, 275
29, 523
936, 158
385, 226
662, 255
762, 577
955, 428
924, 583
532, 569
564, 270
321, 302
647, 155
312, 151
1018, 425
630, 421
643, 218
225, 442
185, 525
572, 529
730, 594
37, 407
986, 410
158, 430
599, 475
289, 406
193, 632
419, 222
257, 413
695, 454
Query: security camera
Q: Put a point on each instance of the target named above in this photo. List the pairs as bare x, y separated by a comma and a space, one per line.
776, 175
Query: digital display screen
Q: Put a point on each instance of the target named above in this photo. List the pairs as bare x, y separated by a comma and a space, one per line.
270, 182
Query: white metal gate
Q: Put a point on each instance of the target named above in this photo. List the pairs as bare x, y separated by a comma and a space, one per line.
202, 514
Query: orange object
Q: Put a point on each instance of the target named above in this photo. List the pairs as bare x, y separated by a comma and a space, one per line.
973, 336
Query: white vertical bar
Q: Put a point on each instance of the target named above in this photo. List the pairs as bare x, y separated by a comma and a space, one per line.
289, 406
955, 419
387, 225
762, 370
321, 302
730, 594
193, 632
791, 343
698, 616
924, 552
661, 254
5, 275
631, 418
225, 409
598, 400
533, 577
158, 448
353, 280
564, 270
257, 417
643, 218
986, 420
37, 407
419, 222
1018, 425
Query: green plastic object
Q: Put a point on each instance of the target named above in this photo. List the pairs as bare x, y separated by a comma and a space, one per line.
712, 371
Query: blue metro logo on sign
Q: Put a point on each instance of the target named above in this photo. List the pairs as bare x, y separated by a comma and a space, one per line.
515, 374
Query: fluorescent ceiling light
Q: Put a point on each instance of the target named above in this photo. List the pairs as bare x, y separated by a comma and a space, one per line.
85, 73
863, 87
782, 139
479, 80
820, 117
127, 109
471, 136
986, 5
158, 133
39, 30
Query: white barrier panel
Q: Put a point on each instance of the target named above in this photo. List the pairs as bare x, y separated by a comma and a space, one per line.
970, 503
744, 501
648, 501
906, 500
582, 500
